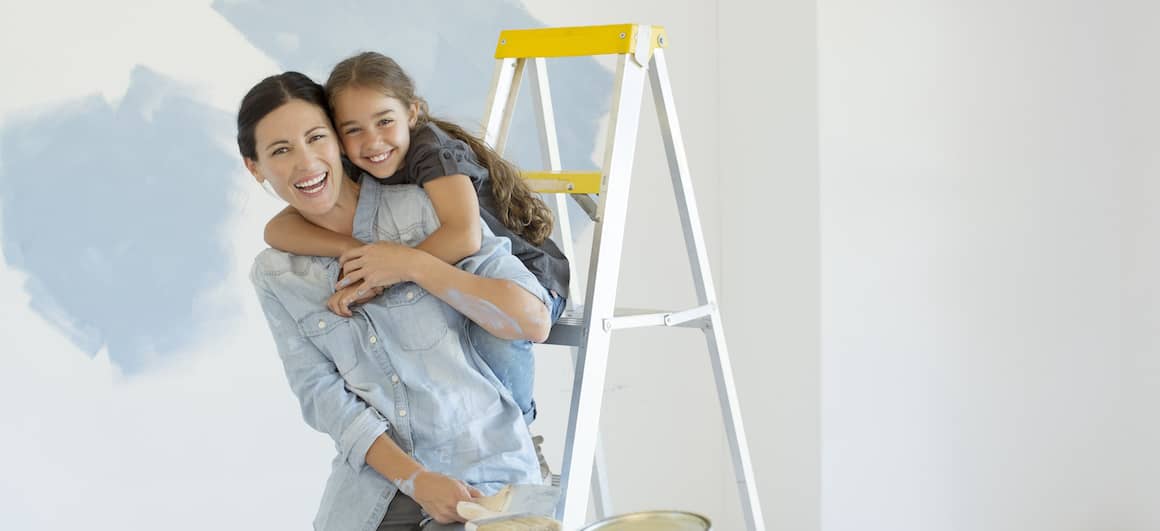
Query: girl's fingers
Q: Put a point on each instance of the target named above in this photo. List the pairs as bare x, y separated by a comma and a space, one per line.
350, 255
353, 265
353, 277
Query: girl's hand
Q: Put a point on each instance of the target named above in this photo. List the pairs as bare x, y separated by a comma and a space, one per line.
379, 265
439, 495
341, 301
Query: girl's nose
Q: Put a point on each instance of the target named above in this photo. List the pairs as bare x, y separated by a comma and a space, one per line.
376, 140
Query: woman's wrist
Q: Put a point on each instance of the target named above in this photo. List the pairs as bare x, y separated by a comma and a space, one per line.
407, 485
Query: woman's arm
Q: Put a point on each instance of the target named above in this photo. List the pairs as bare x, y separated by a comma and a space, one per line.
500, 306
289, 231
327, 405
436, 493
358, 430
457, 208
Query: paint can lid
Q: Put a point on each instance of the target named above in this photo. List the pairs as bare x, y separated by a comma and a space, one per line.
653, 521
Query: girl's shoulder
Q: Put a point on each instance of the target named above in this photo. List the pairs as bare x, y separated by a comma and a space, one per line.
429, 135
436, 153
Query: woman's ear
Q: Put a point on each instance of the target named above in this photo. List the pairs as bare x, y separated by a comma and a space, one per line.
252, 165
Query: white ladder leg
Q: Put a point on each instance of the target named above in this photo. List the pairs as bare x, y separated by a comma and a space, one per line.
550, 149
505, 88
603, 273
699, 259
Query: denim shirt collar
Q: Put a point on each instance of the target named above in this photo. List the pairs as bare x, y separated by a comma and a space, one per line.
369, 200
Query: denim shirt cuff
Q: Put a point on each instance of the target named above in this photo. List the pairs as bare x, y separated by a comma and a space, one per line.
361, 434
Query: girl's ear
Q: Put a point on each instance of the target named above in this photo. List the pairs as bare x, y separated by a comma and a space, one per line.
414, 113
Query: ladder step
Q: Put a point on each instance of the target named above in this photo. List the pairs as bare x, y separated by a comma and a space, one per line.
564, 182
573, 41
569, 330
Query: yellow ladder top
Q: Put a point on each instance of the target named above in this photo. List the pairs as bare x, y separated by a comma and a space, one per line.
575, 41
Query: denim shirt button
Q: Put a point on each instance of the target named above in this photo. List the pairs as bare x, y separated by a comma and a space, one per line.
402, 412
410, 295
321, 324
394, 378
374, 340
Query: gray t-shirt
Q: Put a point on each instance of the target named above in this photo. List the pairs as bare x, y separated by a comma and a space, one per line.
433, 154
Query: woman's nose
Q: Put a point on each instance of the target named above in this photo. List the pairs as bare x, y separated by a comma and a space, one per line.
303, 159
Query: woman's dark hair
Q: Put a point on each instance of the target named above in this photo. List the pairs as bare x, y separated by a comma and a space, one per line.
267, 96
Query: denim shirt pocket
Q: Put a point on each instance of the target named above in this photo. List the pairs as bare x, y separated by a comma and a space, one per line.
416, 316
332, 335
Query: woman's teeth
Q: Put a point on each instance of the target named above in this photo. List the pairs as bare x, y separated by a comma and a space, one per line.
313, 185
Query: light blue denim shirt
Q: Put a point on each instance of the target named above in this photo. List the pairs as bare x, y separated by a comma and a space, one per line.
403, 364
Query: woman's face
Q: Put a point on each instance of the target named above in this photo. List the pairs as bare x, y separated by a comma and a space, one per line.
298, 154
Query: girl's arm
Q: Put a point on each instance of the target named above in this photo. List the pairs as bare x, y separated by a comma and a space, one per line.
457, 207
500, 306
289, 231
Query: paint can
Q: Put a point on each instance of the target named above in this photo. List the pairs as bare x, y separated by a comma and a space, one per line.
653, 521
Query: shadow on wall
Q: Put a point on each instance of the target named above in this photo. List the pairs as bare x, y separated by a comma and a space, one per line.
117, 215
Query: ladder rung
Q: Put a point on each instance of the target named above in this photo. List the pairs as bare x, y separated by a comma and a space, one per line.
634, 318
573, 41
564, 182
569, 330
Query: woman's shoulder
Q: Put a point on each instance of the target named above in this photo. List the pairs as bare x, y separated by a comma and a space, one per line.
271, 263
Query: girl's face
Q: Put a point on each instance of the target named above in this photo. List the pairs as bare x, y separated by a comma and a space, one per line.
299, 155
375, 129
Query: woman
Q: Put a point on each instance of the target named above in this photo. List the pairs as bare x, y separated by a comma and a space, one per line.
418, 420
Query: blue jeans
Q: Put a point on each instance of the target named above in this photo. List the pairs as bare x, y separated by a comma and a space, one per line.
512, 361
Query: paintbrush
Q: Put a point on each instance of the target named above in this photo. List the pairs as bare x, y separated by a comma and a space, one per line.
513, 522
513, 508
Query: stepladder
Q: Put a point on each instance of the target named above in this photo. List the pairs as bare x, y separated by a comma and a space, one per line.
587, 326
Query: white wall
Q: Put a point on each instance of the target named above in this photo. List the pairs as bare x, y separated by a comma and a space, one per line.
768, 176
989, 252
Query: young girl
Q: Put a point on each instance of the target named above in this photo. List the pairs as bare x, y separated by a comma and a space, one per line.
386, 131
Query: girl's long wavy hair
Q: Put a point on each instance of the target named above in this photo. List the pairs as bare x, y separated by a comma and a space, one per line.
517, 207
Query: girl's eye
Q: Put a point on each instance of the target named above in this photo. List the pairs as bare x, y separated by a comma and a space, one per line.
351, 131
385, 122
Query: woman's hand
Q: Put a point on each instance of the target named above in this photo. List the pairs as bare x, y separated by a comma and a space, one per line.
379, 265
341, 301
438, 495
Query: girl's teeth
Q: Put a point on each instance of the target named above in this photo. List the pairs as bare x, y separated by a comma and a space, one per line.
380, 158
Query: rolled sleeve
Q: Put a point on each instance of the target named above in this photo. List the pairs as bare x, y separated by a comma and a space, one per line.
453, 157
327, 405
358, 437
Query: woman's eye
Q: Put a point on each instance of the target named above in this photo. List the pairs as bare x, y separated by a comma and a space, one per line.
385, 122
316, 137
280, 151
